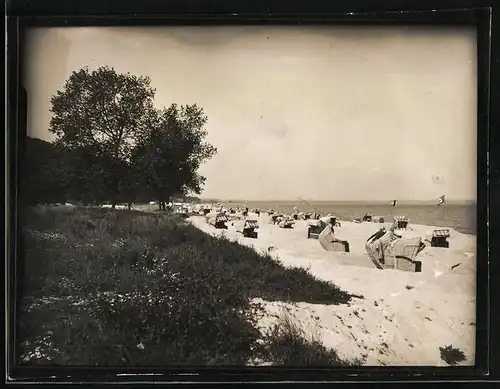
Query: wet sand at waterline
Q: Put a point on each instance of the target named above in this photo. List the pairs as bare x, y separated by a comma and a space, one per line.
404, 317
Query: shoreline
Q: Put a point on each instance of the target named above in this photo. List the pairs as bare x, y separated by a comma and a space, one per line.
403, 317
461, 217
341, 202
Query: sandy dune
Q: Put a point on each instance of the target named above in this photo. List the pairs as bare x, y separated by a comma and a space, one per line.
403, 318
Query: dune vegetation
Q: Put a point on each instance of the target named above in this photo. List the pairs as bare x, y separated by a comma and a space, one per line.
102, 287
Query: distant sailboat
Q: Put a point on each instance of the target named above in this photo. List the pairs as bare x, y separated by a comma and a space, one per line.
441, 201
394, 203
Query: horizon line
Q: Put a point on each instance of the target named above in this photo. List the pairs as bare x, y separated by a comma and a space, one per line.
330, 201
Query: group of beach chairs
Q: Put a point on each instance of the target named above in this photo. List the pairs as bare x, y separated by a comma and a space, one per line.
220, 217
287, 221
386, 248
370, 219
281, 220
318, 228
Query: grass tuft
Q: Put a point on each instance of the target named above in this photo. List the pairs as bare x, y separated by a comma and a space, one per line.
286, 343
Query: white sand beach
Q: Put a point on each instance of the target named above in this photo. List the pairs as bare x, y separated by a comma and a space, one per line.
404, 317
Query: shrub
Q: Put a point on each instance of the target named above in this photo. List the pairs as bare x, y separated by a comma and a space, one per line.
452, 356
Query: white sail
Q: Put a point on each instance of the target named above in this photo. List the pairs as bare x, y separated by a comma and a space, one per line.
441, 200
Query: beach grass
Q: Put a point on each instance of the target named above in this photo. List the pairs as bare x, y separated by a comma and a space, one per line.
103, 287
288, 343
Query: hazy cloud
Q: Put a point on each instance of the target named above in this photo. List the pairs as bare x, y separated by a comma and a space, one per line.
324, 113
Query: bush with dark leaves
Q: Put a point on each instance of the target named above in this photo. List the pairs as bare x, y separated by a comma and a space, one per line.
451, 355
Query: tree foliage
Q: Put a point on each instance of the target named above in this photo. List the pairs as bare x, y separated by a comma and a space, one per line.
172, 150
116, 145
101, 109
99, 115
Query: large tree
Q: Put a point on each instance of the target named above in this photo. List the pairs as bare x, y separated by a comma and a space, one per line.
98, 117
170, 151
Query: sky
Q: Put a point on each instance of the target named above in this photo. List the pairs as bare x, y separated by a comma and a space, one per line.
329, 113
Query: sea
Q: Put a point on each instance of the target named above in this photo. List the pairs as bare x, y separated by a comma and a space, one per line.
459, 216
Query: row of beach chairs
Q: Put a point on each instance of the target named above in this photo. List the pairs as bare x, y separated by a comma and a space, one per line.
246, 227
389, 251
386, 249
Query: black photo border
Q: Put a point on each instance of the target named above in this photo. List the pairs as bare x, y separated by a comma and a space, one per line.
34, 13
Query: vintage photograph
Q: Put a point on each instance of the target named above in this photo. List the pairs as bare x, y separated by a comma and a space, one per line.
248, 196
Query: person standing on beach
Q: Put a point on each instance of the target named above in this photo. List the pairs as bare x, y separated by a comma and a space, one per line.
329, 230
330, 226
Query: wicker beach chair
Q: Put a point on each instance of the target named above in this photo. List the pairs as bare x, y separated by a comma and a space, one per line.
275, 218
401, 223
440, 238
337, 245
367, 218
286, 222
375, 247
218, 220
329, 242
315, 228
403, 253
247, 228
388, 251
